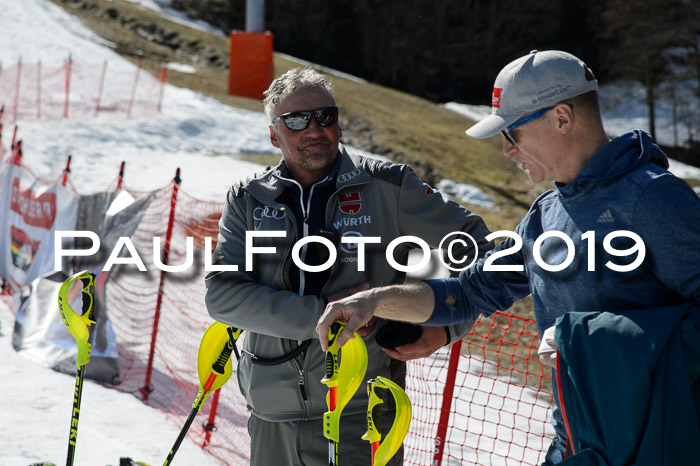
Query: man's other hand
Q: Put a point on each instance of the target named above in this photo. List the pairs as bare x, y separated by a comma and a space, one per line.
432, 339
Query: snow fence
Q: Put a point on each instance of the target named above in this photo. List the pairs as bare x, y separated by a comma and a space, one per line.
79, 90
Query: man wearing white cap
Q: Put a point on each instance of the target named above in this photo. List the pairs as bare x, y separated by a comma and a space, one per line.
619, 234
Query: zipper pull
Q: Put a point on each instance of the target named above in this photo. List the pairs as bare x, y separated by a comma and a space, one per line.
302, 387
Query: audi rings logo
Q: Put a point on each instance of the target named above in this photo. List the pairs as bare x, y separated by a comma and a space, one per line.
345, 177
266, 212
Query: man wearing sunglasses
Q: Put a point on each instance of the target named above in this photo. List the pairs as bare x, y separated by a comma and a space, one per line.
615, 206
318, 189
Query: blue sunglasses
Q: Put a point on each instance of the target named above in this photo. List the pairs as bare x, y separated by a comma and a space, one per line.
526, 119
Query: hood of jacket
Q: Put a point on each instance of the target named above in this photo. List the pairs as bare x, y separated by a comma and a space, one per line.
622, 155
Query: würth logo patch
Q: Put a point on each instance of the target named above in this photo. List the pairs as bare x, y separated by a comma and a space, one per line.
496, 97
349, 202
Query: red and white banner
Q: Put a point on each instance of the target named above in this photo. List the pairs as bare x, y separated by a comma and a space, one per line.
30, 212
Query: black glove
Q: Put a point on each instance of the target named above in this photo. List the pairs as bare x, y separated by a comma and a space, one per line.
396, 333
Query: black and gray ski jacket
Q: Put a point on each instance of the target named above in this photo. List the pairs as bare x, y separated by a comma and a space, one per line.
371, 198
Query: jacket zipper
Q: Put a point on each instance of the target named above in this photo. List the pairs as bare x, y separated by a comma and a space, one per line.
560, 393
302, 282
302, 389
302, 386
302, 285
305, 213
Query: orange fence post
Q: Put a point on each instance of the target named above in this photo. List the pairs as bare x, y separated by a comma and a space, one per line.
147, 389
250, 65
163, 77
120, 179
100, 88
17, 154
441, 435
133, 89
19, 79
68, 71
38, 91
210, 425
66, 171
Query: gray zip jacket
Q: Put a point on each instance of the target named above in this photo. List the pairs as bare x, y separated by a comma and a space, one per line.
372, 198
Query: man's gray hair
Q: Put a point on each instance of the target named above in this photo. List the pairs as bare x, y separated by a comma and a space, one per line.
289, 82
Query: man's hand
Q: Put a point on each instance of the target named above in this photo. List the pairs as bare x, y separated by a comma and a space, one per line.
407, 303
337, 296
356, 310
432, 339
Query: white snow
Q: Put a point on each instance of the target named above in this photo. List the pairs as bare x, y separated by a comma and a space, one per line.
164, 7
182, 68
473, 112
683, 170
37, 416
466, 193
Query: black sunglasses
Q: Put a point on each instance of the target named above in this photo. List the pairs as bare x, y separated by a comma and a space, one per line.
299, 121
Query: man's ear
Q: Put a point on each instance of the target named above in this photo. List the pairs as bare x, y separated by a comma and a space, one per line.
565, 118
273, 137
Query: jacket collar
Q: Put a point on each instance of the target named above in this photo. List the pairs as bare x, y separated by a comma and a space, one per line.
351, 172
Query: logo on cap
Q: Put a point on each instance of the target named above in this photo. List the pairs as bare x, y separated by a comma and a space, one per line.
496, 97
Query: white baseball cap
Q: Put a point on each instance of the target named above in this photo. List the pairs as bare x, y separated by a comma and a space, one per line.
532, 82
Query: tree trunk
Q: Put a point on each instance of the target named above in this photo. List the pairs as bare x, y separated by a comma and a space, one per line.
651, 107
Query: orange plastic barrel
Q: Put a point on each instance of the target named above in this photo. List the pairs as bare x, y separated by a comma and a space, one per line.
250, 68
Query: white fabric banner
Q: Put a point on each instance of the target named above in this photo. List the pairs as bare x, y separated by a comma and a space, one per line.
30, 212
39, 331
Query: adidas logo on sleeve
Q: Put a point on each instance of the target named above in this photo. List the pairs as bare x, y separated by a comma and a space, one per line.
606, 217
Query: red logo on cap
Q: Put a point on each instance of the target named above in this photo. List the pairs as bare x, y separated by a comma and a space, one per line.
496, 97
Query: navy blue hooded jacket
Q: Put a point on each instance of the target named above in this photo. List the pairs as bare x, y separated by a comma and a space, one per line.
624, 187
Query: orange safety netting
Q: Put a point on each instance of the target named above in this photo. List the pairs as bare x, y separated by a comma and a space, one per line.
485, 400
498, 409
78, 90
